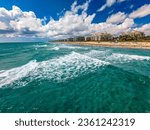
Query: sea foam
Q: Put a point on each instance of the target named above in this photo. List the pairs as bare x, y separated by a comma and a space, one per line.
98, 53
9, 76
117, 57
57, 69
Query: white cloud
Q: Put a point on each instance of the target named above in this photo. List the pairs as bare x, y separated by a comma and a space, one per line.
109, 3
141, 12
128, 23
3, 26
71, 23
26, 23
145, 28
75, 8
116, 18
114, 29
17, 23
102, 8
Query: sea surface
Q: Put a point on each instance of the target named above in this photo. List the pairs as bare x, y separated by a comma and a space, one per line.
52, 77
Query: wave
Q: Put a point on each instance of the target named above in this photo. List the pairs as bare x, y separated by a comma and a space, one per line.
58, 69
108, 55
113, 58
98, 54
9, 76
54, 48
40, 46
126, 57
72, 47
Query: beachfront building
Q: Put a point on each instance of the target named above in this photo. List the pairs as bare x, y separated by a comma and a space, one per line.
96, 37
101, 37
88, 38
127, 36
137, 35
70, 39
79, 38
130, 36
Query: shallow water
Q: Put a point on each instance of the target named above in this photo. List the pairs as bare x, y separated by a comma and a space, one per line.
48, 77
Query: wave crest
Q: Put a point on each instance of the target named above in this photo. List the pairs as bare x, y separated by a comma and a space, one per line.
126, 57
58, 69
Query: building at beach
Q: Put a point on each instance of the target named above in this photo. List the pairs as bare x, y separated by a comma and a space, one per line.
101, 37
133, 35
126, 36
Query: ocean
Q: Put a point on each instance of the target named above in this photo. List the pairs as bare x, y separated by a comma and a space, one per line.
54, 78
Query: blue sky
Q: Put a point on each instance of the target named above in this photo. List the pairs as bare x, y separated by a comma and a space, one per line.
54, 19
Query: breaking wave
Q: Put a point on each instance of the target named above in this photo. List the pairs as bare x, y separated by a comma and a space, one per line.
72, 47
40, 46
9, 76
58, 69
55, 48
98, 54
111, 57
126, 57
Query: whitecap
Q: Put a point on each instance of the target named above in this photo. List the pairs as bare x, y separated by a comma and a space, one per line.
55, 48
72, 47
117, 57
57, 69
9, 76
40, 46
98, 53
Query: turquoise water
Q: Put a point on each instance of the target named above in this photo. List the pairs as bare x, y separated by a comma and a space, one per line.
48, 77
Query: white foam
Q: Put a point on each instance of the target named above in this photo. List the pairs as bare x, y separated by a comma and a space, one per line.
58, 69
68, 66
126, 57
97, 53
72, 47
55, 48
40, 46
9, 76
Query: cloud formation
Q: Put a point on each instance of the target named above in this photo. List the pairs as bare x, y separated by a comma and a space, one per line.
71, 23
141, 12
145, 28
109, 3
17, 22
74, 22
26, 23
116, 18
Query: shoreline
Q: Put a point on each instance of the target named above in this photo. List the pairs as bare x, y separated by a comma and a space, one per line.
132, 45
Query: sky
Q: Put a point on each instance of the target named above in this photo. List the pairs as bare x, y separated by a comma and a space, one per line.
41, 20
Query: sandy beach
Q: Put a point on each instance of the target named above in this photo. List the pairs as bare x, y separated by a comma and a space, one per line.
137, 45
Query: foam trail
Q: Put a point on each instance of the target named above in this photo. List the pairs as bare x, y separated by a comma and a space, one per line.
68, 66
40, 46
125, 57
9, 76
58, 69
55, 48
72, 47
98, 54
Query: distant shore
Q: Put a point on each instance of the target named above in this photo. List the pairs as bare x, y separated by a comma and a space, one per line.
136, 45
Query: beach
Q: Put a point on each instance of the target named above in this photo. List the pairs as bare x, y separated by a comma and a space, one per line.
136, 45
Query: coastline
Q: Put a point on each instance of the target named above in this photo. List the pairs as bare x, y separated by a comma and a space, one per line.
132, 45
